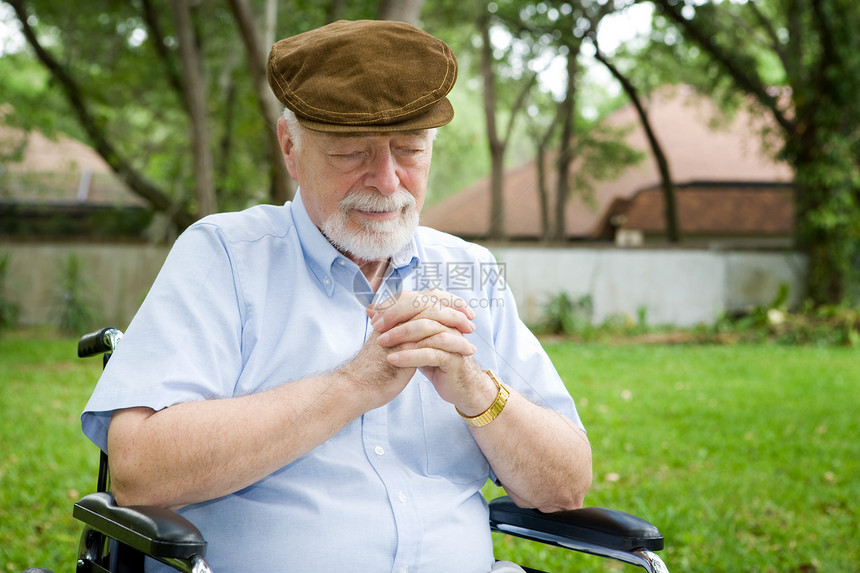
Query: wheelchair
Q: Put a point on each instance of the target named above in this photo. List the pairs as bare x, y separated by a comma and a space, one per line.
117, 539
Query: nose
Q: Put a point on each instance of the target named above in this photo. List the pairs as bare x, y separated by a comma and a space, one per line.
382, 172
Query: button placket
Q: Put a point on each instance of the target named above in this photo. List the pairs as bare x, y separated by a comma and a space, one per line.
396, 482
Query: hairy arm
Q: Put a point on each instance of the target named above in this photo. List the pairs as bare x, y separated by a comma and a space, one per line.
541, 457
202, 450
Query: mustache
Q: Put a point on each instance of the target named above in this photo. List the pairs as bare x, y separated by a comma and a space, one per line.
374, 202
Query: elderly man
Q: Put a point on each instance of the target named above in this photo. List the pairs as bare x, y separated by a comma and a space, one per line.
324, 385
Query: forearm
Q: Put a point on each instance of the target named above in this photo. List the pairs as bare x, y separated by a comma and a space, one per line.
202, 450
541, 457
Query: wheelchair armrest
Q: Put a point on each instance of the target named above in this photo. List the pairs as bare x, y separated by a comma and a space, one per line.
599, 526
154, 531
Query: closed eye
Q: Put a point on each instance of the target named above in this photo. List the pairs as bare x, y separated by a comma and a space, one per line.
409, 151
353, 156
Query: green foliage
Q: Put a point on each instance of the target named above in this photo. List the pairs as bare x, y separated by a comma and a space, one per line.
574, 317
812, 325
9, 309
563, 314
799, 63
127, 67
76, 312
96, 223
815, 325
604, 154
459, 153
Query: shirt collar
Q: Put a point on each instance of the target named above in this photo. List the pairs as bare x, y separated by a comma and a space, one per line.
320, 255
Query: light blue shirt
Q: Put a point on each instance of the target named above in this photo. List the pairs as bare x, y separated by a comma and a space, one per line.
252, 300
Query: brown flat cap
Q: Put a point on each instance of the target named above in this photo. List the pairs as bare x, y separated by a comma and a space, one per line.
367, 75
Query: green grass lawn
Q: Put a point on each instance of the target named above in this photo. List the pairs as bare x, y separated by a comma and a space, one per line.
45, 462
745, 457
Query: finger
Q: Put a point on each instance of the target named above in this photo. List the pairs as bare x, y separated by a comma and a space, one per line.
420, 358
446, 342
416, 330
450, 317
447, 308
410, 303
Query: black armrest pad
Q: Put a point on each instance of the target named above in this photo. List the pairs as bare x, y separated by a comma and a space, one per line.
608, 528
154, 531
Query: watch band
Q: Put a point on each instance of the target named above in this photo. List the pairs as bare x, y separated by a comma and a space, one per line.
495, 408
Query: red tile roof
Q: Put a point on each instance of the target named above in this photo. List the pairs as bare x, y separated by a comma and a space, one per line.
725, 208
51, 169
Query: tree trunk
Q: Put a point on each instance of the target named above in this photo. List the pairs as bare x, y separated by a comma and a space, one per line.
282, 187
542, 142
670, 209
496, 145
543, 195
270, 23
566, 153
195, 95
830, 253
400, 10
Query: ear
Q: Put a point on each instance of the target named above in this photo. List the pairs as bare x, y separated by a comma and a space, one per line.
288, 148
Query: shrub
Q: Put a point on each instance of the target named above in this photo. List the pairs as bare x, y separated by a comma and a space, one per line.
564, 315
808, 325
9, 309
76, 311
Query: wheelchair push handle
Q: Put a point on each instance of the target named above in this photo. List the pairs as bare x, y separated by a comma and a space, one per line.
99, 342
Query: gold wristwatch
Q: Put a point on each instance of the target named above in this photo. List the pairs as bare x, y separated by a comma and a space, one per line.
495, 408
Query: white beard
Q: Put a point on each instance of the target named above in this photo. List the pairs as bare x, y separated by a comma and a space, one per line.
378, 239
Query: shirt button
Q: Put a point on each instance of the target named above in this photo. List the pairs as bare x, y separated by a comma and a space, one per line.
404, 570
341, 262
379, 451
402, 497
327, 281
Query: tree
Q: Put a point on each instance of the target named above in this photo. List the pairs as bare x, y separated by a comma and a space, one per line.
282, 187
800, 61
563, 26
497, 143
540, 30
93, 125
157, 88
194, 91
542, 136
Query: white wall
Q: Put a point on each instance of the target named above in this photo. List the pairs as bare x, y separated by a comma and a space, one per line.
116, 278
675, 286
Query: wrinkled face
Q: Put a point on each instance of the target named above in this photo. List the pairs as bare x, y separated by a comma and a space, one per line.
364, 191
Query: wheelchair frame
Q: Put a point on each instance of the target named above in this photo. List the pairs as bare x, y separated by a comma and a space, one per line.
116, 539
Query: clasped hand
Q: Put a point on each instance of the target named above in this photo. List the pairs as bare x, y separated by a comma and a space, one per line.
427, 331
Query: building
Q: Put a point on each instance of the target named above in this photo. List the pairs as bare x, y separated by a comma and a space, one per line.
59, 188
730, 189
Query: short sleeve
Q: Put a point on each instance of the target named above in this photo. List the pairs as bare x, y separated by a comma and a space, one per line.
184, 343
